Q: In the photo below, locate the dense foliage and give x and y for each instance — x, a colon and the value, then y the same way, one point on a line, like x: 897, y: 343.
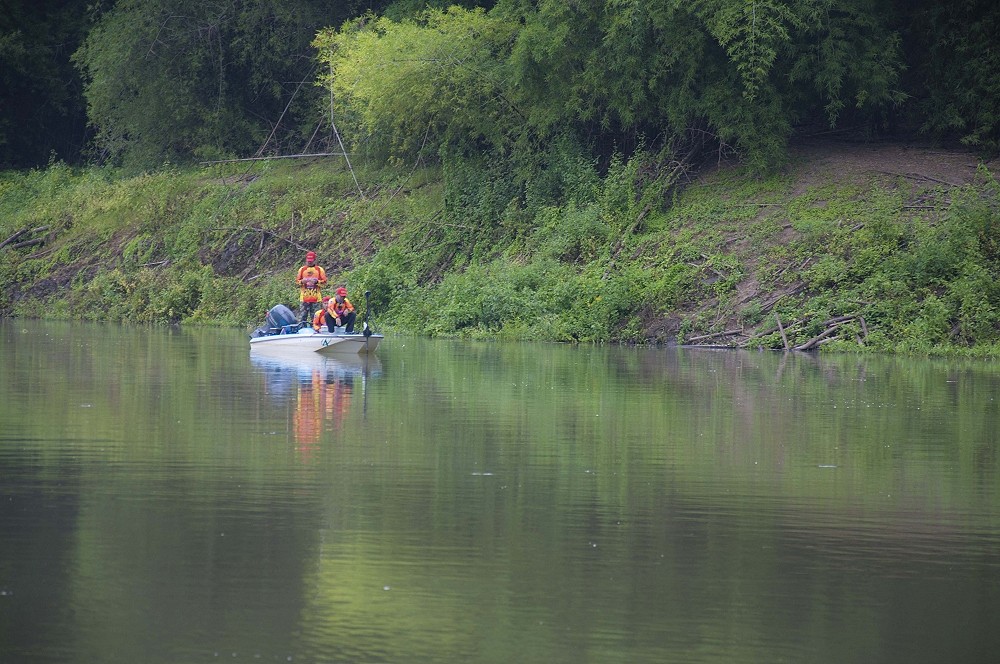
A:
x: 910, y: 266
x: 172, y: 80
x: 182, y: 80
x: 514, y: 156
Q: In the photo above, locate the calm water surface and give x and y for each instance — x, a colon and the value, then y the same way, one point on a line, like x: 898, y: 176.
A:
x: 167, y: 497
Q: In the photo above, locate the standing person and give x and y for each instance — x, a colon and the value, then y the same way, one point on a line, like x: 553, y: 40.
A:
x: 311, y: 279
x: 340, y: 312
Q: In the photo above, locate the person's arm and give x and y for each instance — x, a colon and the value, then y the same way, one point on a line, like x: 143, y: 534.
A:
x: 298, y: 277
x: 348, y: 307
x: 322, y: 276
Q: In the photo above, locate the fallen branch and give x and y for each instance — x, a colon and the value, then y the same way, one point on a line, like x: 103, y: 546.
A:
x: 782, y: 330
x: 798, y: 269
x: 770, y: 305
x: 283, y: 239
x: 726, y: 333
x: 267, y: 232
x: 774, y: 328
x: 706, y: 265
x: 13, y: 237
x: 40, y: 254
x: 927, y: 177
x: 815, y: 340
x: 282, y: 156
x: 28, y: 243
x: 702, y: 266
x: 917, y: 176
x: 838, y: 320
x: 21, y: 232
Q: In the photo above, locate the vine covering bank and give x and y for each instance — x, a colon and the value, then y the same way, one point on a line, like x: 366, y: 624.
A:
x: 891, y: 249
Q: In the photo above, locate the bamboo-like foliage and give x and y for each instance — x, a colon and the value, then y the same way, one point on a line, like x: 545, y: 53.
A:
x: 422, y: 83
x: 745, y: 71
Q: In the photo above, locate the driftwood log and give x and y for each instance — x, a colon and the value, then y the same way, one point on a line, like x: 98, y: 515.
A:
x: 13, y: 237
x: 27, y: 243
x: 831, y: 325
x: 24, y: 243
x: 726, y: 333
x: 782, y: 330
x: 817, y: 339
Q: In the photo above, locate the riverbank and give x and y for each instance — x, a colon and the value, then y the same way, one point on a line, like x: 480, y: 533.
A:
x: 887, y: 247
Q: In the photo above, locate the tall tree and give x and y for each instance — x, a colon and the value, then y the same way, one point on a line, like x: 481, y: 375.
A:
x: 172, y: 80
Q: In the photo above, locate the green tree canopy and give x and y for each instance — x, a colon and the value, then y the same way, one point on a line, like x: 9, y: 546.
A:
x: 437, y: 79
x: 175, y: 79
x: 743, y: 71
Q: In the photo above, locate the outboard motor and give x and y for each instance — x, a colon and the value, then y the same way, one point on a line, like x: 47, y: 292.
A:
x: 282, y: 318
x: 279, y: 320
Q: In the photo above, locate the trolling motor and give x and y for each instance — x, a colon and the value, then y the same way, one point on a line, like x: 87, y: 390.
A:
x: 365, y: 329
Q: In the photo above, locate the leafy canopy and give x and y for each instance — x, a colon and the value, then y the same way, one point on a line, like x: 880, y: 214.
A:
x: 742, y: 71
x: 425, y: 82
x: 168, y: 80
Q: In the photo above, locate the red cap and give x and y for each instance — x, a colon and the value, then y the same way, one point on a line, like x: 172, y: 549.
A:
x: 326, y: 298
x: 311, y: 256
x: 342, y: 291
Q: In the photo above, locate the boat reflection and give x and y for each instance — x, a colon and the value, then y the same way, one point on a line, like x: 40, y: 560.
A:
x: 318, y: 388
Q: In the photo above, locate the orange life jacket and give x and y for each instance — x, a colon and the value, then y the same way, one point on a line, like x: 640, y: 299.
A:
x: 311, y: 272
x: 319, y: 319
x: 338, y: 309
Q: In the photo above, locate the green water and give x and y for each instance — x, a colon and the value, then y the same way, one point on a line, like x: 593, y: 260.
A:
x: 167, y: 497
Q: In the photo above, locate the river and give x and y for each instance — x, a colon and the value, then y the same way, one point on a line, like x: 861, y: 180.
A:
x: 167, y: 497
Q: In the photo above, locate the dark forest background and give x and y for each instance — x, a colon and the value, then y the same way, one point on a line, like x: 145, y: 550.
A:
x: 141, y: 83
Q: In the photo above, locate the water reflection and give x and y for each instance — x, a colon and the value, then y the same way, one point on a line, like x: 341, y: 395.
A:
x: 319, y: 387
x: 499, y: 503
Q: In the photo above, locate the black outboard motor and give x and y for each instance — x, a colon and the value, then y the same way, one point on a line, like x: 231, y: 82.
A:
x: 282, y: 317
x: 279, y: 320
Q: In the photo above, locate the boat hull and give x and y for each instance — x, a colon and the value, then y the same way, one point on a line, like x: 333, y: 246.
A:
x: 318, y: 342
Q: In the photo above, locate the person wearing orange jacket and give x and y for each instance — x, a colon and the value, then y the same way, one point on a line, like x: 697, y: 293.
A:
x: 340, y: 312
x: 311, y: 279
x: 320, y: 318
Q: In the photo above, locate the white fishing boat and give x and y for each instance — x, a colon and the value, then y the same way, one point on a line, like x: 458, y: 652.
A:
x: 282, y: 333
x: 308, y: 340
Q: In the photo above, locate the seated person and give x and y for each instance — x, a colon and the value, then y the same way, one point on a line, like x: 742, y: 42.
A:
x: 340, y: 312
x: 320, y: 318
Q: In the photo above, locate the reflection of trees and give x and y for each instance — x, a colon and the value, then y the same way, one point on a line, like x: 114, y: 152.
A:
x: 512, y: 503
x: 37, y: 558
